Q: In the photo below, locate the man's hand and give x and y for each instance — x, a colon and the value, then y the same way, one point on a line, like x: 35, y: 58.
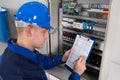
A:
x: 80, y: 65
x: 66, y: 55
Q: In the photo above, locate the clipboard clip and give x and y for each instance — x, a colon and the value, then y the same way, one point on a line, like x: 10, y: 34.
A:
x: 80, y: 34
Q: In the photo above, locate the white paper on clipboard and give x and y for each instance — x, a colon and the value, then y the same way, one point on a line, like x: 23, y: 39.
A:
x: 81, y: 47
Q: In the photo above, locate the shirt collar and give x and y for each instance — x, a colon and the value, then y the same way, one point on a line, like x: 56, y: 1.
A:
x: 31, y: 55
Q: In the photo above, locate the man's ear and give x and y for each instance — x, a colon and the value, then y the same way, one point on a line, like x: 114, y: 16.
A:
x: 28, y: 31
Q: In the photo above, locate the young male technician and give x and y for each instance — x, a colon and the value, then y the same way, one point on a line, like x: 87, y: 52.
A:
x: 21, y: 61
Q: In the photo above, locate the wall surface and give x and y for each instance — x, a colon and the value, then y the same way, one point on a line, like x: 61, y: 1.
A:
x: 110, y: 68
x: 54, y: 23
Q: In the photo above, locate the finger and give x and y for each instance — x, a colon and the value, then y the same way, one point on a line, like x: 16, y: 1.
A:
x: 70, y: 50
x: 83, y: 61
x: 84, y: 64
x: 85, y: 68
x: 80, y: 59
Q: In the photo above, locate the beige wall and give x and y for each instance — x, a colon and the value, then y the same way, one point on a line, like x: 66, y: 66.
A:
x: 110, y: 68
x: 54, y: 23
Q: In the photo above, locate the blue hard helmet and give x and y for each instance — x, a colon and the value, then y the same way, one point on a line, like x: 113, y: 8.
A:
x: 34, y: 13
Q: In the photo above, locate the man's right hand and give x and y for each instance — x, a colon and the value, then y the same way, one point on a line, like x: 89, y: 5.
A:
x: 80, y: 65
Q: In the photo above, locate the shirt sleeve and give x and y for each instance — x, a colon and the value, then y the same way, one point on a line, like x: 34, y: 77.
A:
x: 74, y: 76
x: 47, y: 62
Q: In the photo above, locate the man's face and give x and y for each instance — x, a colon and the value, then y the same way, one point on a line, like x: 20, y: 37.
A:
x: 39, y: 37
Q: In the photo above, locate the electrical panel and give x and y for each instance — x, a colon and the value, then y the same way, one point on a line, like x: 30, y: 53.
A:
x: 89, y: 19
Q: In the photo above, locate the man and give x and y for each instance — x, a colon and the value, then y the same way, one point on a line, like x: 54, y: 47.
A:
x: 21, y: 61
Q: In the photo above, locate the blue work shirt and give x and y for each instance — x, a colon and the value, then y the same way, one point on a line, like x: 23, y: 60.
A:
x: 19, y: 63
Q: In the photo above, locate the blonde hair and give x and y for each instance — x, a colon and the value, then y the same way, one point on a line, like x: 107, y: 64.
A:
x: 20, y: 26
x: 19, y: 30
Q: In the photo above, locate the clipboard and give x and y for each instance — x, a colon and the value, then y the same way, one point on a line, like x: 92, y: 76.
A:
x: 82, y: 47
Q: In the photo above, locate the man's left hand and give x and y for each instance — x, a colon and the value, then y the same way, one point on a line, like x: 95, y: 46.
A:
x: 66, y: 55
